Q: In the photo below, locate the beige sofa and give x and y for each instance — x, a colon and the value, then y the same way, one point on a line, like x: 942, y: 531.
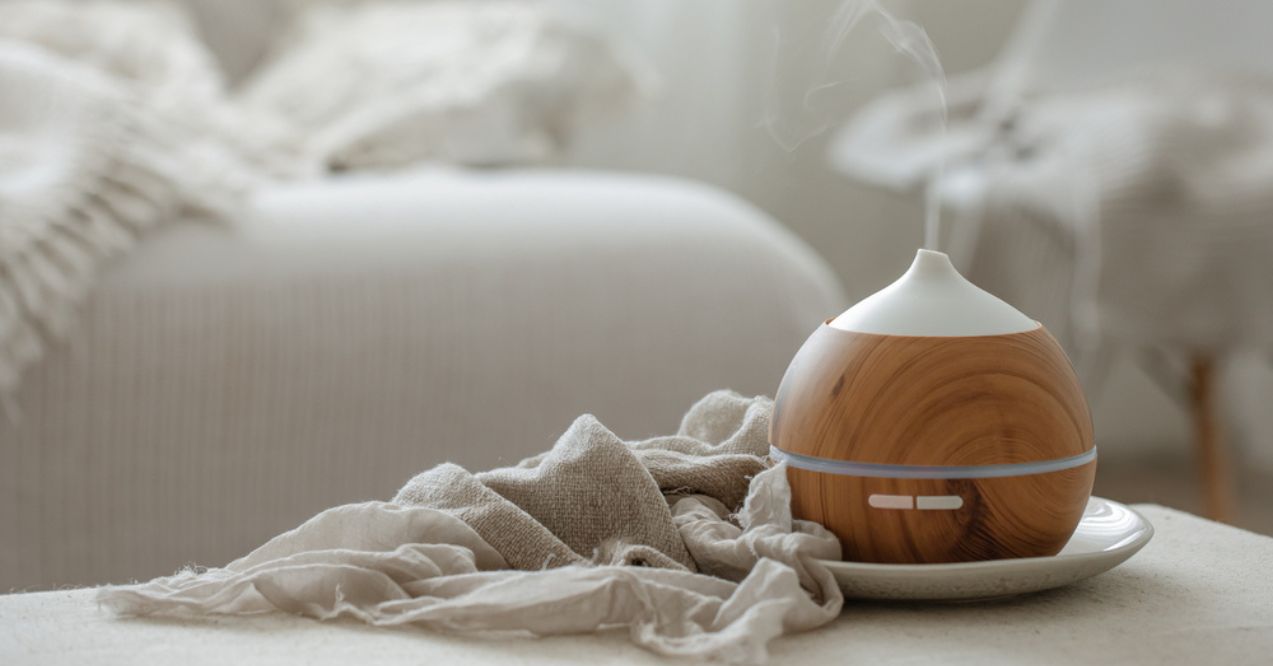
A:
x: 227, y: 382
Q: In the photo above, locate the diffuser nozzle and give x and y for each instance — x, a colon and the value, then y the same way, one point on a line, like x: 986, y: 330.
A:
x: 933, y: 299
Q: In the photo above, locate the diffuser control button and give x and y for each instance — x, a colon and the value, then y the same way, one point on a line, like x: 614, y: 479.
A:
x: 947, y: 502
x: 891, y: 501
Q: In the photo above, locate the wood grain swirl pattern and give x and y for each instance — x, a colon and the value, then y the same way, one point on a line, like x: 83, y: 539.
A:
x: 931, y: 401
x: 937, y: 401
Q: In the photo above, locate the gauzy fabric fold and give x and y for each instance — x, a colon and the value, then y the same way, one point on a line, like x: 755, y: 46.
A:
x: 686, y: 540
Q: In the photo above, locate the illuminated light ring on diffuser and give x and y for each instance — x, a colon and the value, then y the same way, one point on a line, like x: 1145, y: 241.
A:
x: 879, y: 470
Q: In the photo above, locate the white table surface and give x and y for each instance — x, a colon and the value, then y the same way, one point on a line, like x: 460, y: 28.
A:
x: 1199, y: 593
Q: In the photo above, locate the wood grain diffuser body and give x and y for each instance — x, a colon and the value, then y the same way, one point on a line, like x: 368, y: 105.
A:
x: 932, y: 422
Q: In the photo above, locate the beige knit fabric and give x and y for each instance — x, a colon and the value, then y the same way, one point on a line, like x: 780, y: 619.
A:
x: 596, y: 533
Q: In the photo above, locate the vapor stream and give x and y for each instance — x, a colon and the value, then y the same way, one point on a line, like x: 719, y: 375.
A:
x: 796, y: 50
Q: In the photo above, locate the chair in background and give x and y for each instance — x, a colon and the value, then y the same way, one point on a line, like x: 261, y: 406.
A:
x: 1060, y: 48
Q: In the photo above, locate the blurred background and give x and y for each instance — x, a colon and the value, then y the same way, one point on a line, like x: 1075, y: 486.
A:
x: 260, y: 257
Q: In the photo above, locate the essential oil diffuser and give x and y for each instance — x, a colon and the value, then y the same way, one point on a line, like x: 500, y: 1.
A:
x: 932, y: 422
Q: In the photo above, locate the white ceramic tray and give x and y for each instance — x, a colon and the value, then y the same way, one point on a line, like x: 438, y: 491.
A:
x: 1108, y: 534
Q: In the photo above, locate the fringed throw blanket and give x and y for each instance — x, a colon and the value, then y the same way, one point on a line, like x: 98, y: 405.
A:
x: 685, y: 540
x: 84, y: 167
x: 115, y: 118
x: 105, y: 130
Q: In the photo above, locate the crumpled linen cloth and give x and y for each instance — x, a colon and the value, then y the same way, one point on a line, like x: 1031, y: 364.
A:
x: 686, y: 540
x: 1139, y: 210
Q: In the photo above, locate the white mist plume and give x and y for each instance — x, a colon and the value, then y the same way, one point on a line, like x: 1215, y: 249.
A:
x: 805, y: 74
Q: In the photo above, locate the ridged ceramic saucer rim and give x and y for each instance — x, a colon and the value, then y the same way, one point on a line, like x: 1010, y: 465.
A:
x: 967, y: 581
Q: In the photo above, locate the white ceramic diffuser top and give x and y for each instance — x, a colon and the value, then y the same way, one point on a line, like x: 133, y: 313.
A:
x: 933, y: 299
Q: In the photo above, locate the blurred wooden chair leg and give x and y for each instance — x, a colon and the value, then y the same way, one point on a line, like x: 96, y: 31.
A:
x: 1214, y: 467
